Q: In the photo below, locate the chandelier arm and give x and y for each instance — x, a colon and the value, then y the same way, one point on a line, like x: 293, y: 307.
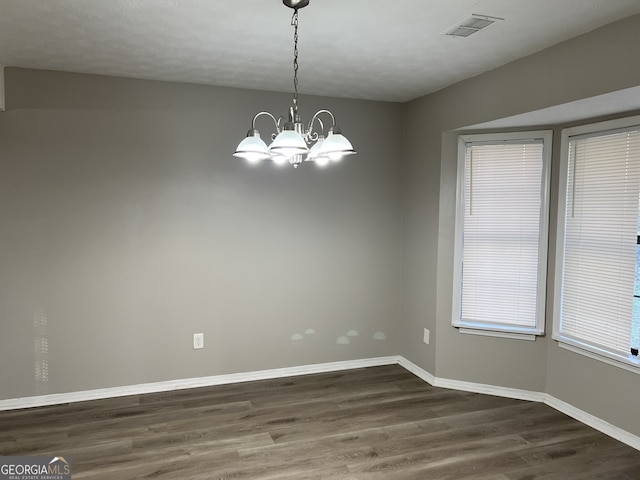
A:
x: 259, y: 114
x: 310, y: 134
x: 315, y: 117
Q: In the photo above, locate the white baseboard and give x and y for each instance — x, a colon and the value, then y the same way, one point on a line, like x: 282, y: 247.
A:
x: 471, y: 387
x: 594, y: 422
x: 417, y: 371
x: 516, y: 393
x: 533, y: 396
x: 71, y: 397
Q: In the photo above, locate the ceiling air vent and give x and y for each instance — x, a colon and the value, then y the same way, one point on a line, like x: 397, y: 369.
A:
x: 471, y: 25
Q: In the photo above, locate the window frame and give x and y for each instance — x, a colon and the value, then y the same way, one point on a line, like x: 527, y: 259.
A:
x: 628, y: 362
x: 498, y: 329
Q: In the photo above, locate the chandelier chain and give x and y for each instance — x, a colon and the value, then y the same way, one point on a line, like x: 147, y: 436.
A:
x: 294, y: 22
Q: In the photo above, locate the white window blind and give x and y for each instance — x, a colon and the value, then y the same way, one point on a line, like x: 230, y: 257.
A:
x: 503, y: 236
x: 600, y: 239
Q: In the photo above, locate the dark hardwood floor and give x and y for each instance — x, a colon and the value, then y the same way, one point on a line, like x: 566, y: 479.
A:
x: 372, y: 423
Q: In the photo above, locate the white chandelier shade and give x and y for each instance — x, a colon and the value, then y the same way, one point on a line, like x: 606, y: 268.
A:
x: 314, y: 151
x: 253, y: 148
x: 295, y: 142
x: 335, y: 146
x: 288, y: 143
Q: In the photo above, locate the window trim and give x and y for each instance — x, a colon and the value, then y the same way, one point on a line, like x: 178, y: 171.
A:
x: 628, y: 362
x: 496, y: 329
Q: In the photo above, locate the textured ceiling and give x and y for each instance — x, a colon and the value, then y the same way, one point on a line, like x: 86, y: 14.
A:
x: 371, y: 49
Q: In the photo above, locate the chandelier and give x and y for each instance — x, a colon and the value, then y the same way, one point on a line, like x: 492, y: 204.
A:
x: 293, y: 141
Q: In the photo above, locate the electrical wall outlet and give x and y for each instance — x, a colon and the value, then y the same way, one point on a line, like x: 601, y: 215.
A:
x: 426, y: 336
x: 198, y: 341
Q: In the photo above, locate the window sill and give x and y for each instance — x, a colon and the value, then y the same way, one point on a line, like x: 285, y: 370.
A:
x: 500, y: 334
x: 630, y: 363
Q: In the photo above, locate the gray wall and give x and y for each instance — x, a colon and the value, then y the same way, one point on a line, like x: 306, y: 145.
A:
x: 126, y: 226
x: 593, y: 64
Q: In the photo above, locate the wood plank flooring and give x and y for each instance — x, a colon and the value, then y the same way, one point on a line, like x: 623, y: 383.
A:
x: 371, y: 423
